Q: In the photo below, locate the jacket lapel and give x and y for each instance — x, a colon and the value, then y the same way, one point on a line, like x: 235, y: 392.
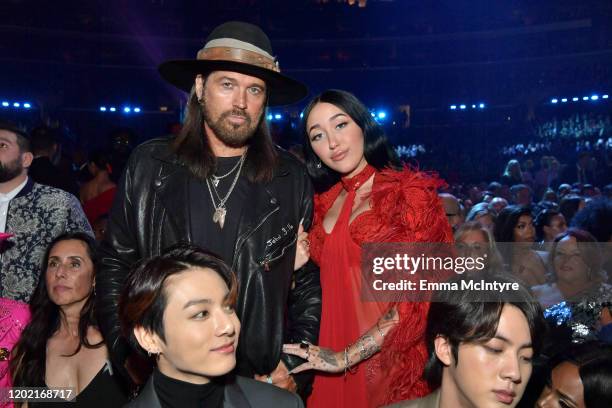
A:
x: 172, y: 187
x: 234, y: 397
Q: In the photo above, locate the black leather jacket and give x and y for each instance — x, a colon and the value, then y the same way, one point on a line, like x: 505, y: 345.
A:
x: 275, y: 305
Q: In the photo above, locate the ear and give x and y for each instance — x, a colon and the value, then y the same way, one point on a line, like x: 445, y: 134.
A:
x: 199, y: 87
x: 147, y: 340
x: 443, y: 351
x: 27, y: 158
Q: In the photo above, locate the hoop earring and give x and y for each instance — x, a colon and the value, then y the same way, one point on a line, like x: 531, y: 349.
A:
x: 319, y: 164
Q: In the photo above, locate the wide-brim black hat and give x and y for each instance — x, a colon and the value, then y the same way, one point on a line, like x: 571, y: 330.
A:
x: 239, y: 47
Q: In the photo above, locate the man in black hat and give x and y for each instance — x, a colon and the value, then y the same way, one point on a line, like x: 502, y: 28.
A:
x: 223, y: 185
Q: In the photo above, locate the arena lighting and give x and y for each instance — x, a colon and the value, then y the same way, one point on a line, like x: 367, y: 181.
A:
x: 473, y: 106
x: 453, y: 107
x: 594, y: 97
x: 127, y: 109
x: 112, y: 109
x: 301, y: 115
x: 5, y: 104
x: 27, y: 105
x: 102, y: 108
x: 564, y: 100
x: 575, y: 99
x: 278, y: 116
x: 269, y: 117
x: 16, y: 104
x: 137, y: 110
x: 605, y: 97
x: 461, y: 106
x: 481, y: 106
x: 382, y: 115
x: 554, y: 100
x: 373, y: 115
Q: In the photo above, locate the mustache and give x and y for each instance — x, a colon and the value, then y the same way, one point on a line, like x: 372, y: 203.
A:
x: 236, y: 112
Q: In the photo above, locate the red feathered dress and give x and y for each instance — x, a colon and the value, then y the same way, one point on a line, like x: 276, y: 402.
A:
x: 405, y: 208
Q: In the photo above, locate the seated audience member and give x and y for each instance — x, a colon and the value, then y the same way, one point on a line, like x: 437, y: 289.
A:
x: 481, y: 213
x: 32, y: 213
x: 62, y: 347
x: 580, y: 378
x: 497, y: 204
x: 570, y: 205
x: 563, y: 190
x: 453, y: 210
x: 178, y: 308
x: 520, y: 194
x: 474, y: 240
x: 596, y: 218
x: 480, y: 352
x: 512, y: 173
x: 577, y: 297
x: 549, y: 224
x: 515, y: 235
x: 98, y: 193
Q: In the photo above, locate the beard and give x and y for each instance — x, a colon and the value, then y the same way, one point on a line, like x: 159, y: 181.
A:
x: 11, y: 170
x: 230, y: 134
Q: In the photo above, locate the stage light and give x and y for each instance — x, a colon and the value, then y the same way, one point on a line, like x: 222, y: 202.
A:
x: 301, y: 115
x: 382, y: 115
x: 269, y: 117
x: 16, y: 104
x: 594, y: 97
x: 554, y: 100
x: 564, y: 100
x: 5, y: 104
x: 453, y: 107
x: 127, y: 109
x: 461, y: 106
x: 473, y: 106
x: 585, y: 98
x: 137, y: 110
x: 481, y: 106
x: 373, y: 115
x: 102, y: 108
x: 27, y: 105
x: 605, y: 97
x: 112, y: 109
x: 278, y: 116
x: 575, y: 99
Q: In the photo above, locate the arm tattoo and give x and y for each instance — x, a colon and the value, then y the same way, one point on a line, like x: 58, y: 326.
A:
x: 328, y: 357
x: 369, y: 347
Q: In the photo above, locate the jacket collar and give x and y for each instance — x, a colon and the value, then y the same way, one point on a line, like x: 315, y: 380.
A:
x: 27, y: 188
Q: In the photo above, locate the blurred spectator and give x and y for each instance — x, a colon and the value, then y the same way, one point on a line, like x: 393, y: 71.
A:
x: 97, y: 194
x: 512, y: 173
x: 570, y: 205
x: 45, y: 148
x: 483, y: 214
x: 497, y: 204
x: 453, y: 210
x: 520, y: 194
x: 474, y: 240
x: 582, y: 172
x: 596, y: 218
x: 549, y: 223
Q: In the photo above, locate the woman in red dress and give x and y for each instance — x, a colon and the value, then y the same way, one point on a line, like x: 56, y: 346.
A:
x: 371, y: 199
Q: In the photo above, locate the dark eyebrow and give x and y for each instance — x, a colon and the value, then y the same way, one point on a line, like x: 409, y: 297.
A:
x: 196, y: 302
x: 330, y: 119
x: 506, y: 340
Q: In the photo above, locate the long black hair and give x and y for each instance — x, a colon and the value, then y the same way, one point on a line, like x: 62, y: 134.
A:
x: 377, y: 150
x: 193, y: 149
x: 28, y: 362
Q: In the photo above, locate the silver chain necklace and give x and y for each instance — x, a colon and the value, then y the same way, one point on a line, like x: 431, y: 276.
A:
x: 220, y: 209
x: 217, y: 179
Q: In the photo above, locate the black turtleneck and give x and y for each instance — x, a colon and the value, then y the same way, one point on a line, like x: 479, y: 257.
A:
x: 173, y: 393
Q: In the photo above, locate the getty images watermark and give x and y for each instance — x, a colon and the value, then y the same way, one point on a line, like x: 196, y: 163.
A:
x: 414, y: 272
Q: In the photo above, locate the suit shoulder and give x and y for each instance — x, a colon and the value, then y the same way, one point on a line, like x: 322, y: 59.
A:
x: 156, y: 145
x: 262, y: 394
x: 52, y: 192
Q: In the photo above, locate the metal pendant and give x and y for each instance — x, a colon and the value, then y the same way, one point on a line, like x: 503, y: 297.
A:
x: 216, y: 181
x: 219, y: 216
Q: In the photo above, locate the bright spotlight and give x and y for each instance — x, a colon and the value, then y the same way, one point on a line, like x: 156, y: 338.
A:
x: 575, y: 99
x: 481, y: 106
x: 5, y: 104
x: 278, y: 116
x: 373, y: 115
x: 605, y: 97
x: 127, y: 109
x: 137, y: 110
x: 453, y: 107
x: 585, y: 98
x: 16, y: 104
x: 112, y: 109
x: 102, y: 108
x: 270, y: 117
x: 461, y: 106
x: 564, y: 100
x: 27, y: 105
x: 382, y: 115
x: 554, y: 100
x: 594, y: 97
x: 301, y: 115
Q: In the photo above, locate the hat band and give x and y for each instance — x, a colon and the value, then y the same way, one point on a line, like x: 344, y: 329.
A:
x: 238, y: 55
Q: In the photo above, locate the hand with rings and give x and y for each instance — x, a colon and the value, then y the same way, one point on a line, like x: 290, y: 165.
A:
x: 317, y: 358
x: 302, y: 249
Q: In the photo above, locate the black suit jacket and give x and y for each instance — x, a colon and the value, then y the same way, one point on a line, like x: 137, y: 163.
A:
x: 240, y: 392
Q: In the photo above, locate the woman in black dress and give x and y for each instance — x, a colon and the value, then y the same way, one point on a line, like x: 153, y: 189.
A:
x: 61, y: 347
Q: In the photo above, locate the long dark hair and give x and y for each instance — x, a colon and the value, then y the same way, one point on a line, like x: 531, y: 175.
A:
x: 193, y: 150
x: 28, y: 362
x: 377, y: 150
